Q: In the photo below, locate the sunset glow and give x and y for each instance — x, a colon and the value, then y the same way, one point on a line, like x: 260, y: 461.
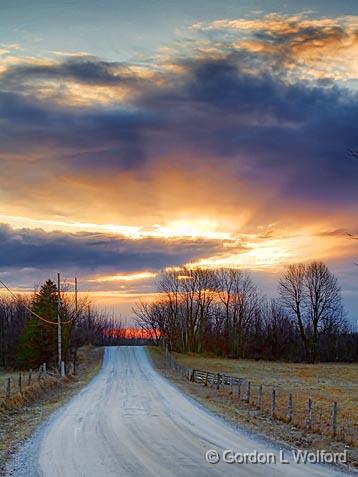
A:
x: 126, y: 278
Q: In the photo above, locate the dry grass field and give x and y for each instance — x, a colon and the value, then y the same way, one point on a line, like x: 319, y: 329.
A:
x: 324, y: 383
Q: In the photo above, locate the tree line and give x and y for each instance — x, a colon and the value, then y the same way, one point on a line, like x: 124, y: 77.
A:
x: 223, y: 312
x: 28, y: 341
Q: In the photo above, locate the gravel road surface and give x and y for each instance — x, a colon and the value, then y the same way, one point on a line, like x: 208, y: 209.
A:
x: 130, y: 421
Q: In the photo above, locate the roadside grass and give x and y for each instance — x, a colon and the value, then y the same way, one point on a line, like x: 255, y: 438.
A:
x: 4, y: 375
x: 323, y: 383
x: 21, y: 415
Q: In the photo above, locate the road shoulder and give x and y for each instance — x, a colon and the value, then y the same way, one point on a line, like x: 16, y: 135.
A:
x: 17, y: 425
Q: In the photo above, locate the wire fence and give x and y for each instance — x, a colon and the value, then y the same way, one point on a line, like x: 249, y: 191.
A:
x: 278, y: 404
x: 22, y: 385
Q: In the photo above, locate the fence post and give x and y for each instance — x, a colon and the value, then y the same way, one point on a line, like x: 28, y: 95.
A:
x: 20, y: 383
x: 273, y: 403
x: 259, y: 397
x: 206, y: 379
x: 8, y: 388
x: 218, y: 382
x: 289, y: 408
x: 63, y: 373
x: 239, y: 389
x: 334, y: 418
x: 319, y: 420
x: 309, y: 414
x: 30, y: 377
x: 231, y: 384
x: 248, y: 393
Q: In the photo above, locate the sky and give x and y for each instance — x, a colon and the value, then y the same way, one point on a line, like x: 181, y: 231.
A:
x: 141, y: 135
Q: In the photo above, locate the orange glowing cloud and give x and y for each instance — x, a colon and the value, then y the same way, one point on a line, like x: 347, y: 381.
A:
x: 127, y: 277
x: 308, y: 47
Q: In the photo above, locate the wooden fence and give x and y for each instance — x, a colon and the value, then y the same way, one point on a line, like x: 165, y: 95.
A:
x: 263, y: 398
x: 24, y: 381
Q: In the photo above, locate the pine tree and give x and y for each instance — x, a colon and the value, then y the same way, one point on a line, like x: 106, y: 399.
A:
x: 38, y: 342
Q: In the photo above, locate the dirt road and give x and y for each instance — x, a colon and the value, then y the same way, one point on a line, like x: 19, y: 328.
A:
x: 130, y: 421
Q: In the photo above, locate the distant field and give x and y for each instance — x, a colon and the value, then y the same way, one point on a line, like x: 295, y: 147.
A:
x: 323, y: 383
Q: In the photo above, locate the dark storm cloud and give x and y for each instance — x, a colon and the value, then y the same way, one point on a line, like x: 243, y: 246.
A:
x: 97, y: 137
x: 264, y: 130
x: 87, y: 70
x: 268, y: 130
x: 87, y: 252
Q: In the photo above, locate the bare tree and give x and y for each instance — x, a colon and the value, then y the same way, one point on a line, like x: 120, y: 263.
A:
x: 150, y: 319
x: 245, y: 311
x: 239, y: 298
x: 292, y: 294
x: 312, y: 295
x: 324, y: 302
x: 14, y: 315
x: 226, y: 278
x: 222, y: 311
x: 197, y: 290
x: 206, y: 294
x: 169, y: 289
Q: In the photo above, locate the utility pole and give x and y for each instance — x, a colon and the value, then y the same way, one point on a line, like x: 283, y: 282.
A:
x: 59, y: 334
x: 75, y: 324
x: 76, y: 299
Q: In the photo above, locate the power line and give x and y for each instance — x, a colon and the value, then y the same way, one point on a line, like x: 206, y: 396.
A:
x: 31, y: 311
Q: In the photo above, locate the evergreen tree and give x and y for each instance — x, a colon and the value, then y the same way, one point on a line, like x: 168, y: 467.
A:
x: 38, y: 342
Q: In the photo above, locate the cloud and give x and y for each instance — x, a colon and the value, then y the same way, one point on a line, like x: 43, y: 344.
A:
x: 76, y: 79
x: 89, y: 252
x: 260, y: 130
x: 292, y: 45
x: 80, y: 68
x: 244, y: 126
